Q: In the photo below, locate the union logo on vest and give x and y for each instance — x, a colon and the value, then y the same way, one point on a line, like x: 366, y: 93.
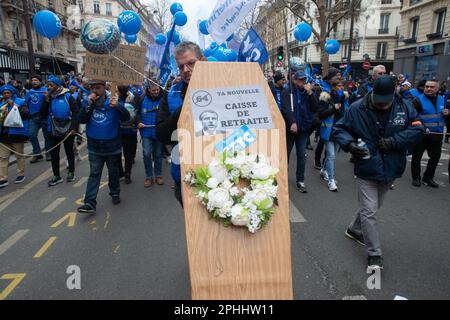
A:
x: 99, y: 116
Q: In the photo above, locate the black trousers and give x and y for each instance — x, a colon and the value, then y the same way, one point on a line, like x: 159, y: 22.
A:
x: 68, y: 148
x: 129, y: 146
x: 433, y: 146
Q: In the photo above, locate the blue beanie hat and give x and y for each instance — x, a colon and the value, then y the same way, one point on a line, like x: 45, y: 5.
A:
x: 55, y: 80
x: 8, y: 87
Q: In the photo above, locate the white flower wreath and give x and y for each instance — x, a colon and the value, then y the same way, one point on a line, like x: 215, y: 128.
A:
x: 217, y: 188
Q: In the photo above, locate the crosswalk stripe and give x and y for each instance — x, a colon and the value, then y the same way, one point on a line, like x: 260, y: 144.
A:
x: 52, y: 206
x: 12, y: 240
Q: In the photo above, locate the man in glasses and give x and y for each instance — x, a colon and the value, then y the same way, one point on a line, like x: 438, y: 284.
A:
x: 186, y: 55
x: 367, y: 86
x: 388, y: 126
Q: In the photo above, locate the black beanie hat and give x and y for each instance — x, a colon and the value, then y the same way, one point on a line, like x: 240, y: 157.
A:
x: 332, y: 71
x: 36, y: 77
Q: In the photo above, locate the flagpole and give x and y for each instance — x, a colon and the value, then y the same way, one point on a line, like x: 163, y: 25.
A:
x: 289, y: 59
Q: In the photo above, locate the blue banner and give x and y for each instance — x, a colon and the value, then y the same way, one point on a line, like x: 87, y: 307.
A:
x: 164, y: 67
x: 252, y: 48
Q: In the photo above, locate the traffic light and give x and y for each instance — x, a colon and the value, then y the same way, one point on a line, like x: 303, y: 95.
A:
x: 280, y: 54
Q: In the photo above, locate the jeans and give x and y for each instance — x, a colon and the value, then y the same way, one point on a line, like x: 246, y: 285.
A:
x: 152, y: 150
x: 96, y: 165
x: 433, y: 146
x: 331, y: 148
x: 68, y: 148
x: 35, y: 124
x: 129, y: 145
x: 300, y: 140
x: 371, y: 195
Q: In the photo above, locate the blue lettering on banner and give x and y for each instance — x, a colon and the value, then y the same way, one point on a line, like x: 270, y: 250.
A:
x: 238, y: 140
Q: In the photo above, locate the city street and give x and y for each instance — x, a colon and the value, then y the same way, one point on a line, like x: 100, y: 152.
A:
x: 137, y: 250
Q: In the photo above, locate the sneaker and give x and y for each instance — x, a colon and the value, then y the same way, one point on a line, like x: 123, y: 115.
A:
x: 127, y: 178
x: 416, y: 183
x: 4, y: 183
x: 86, y: 208
x: 159, y: 181
x: 36, y: 159
x: 375, y: 262
x: 350, y: 234
x: 317, y: 164
x: 20, y: 179
x: 324, y: 175
x: 71, y: 177
x: 301, y: 187
x: 392, y: 187
x: 148, y: 183
x: 115, y: 200
x: 54, y: 181
x: 430, y: 182
x: 332, y: 186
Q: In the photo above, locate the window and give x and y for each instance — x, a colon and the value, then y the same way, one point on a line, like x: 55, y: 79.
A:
x: 346, y: 50
x: 96, y: 7
x: 16, y: 33
x: 384, y: 23
x: 81, y: 5
x: 108, y: 9
x: 414, y: 27
x: 413, y: 2
x: 328, y: 4
x: 386, y: 1
x: 440, y: 20
x: 381, y: 50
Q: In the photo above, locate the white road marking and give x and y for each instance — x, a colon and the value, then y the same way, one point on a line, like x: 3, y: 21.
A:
x: 295, y: 215
x: 354, y: 298
x: 80, y: 182
x: 12, y: 240
x: 52, y: 206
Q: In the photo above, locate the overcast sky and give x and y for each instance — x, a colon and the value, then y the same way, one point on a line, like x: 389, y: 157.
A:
x: 194, y: 9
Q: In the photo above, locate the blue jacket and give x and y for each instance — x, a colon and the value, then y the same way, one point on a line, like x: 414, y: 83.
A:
x: 103, y: 127
x: 277, y: 94
x: 305, y: 106
x: 147, y: 109
x: 362, y: 121
x: 35, y: 98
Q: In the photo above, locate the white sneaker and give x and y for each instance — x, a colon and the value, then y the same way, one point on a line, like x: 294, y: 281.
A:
x: 324, y: 175
x: 332, y: 185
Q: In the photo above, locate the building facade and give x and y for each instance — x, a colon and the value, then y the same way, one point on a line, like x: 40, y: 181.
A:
x: 110, y: 9
x: 375, y: 34
x: 56, y: 56
x: 423, y: 51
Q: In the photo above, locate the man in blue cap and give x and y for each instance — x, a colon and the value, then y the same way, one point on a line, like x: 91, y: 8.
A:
x: 389, y: 127
x: 13, y: 138
x: 299, y: 119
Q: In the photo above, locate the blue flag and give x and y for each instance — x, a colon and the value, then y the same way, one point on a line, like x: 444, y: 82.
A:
x: 164, y: 67
x: 252, y: 48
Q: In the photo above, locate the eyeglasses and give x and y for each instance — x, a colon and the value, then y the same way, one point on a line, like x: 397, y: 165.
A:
x: 190, y: 65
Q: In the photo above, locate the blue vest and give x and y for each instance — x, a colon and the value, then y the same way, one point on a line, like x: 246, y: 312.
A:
x: 60, y: 109
x: 104, y: 123
x: 414, y: 92
x: 278, y: 97
x: 35, y: 99
x: 75, y: 95
x: 148, y: 111
x: 175, y: 101
x: 24, y: 131
x: 431, y: 116
x: 369, y: 87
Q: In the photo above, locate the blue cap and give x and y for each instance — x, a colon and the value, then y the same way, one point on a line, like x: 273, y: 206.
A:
x: 55, y: 80
x: 8, y: 87
x: 300, y: 75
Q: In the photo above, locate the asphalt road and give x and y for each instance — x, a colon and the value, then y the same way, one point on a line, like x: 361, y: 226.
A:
x: 137, y: 250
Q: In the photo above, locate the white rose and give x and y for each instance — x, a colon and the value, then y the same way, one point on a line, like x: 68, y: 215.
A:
x: 217, y: 170
x: 261, y: 171
x: 261, y: 195
x: 212, y: 183
x: 239, y: 215
x: 218, y: 198
x: 225, y: 211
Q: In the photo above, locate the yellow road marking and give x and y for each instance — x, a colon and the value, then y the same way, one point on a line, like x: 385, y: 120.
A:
x: 16, y: 277
x: 103, y: 184
x: 93, y: 222
x: 52, y: 206
x: 70, y: 216
x: 117, y: 249
x: 80, y: 201
x: 44, y: 247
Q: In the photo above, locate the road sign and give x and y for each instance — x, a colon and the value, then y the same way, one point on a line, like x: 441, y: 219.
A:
x: 366, y: 65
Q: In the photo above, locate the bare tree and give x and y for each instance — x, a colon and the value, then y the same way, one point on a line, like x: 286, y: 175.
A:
x: 161, y: 13
x: 327, y: 18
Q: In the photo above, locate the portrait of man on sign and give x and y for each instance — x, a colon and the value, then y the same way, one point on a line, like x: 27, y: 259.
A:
x: 209, y: 120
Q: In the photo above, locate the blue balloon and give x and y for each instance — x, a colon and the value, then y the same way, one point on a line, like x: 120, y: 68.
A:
x: 224, y: 45
x: 230, y: 55
x: 207, y: 52
x: 129, y: 22
x: 213, y: 45
x: 230, y: 37
x: 220, y: 55
x: 177, y: 41
x: 160, y: 39
x: 302, y: 32
x: 175, y: 7
x: 176, y: 37
x: 180, y: 18
x: 202, y: 27
x: 47, y: 24
x: 131, y: 38
x: 212, y: 59
x: 100, y: 36
x: 332, y: 46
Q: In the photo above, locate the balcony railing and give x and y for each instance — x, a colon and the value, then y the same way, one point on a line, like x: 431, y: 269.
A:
x: 383, y: 31
x: 410, y: 40
x: 434, y: 35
